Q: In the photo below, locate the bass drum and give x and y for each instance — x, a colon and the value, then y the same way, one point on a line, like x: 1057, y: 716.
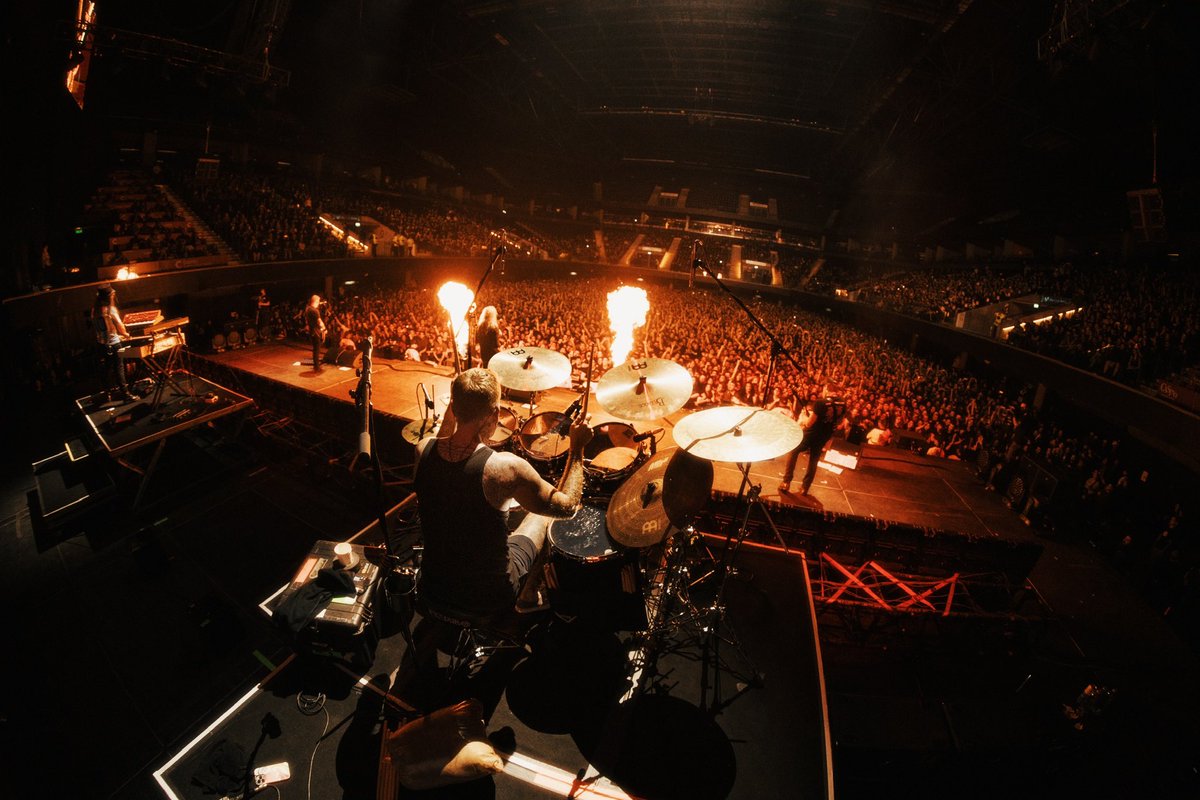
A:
x: 610, y: 457
x: 592, y: 578
x: 544, y: 441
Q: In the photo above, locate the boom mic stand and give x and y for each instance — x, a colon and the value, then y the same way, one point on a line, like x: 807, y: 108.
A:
x: 478, y: 288
x: 392, y: 564
x: 711, y: 619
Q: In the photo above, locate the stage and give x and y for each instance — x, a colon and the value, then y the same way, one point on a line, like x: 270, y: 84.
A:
x: 885, y: 485
x: 563, y: 715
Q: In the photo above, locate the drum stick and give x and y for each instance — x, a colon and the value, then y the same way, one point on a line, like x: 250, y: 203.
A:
x: 587, y: 385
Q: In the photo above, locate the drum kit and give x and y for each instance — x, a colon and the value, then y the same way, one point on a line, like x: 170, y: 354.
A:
x: 632, y: 537
x: 633, y: 534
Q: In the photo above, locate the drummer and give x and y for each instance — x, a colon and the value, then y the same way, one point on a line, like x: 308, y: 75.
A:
x: 471, y: 564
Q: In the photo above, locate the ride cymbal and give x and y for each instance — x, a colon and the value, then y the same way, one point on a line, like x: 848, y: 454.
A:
x: 738, y: 434
x: 643, y: 389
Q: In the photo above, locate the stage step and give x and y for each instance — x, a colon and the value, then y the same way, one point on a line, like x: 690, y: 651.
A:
x: 65, y: 486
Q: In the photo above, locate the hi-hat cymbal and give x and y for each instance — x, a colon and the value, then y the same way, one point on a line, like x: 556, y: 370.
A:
x: 530, y: 369
x: 670, y: 488
x: 417, y: 430
x: 647, y: 388
x: 739, y: 434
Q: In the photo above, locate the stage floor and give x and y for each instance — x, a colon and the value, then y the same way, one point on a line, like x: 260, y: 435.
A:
x: 887, y: 484
x: 564, y: 717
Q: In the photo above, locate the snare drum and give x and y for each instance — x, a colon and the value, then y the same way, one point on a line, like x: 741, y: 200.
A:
x: 610, y: 457
x: 592, y: 577
x: 505, y: 428
x: 544, y: 441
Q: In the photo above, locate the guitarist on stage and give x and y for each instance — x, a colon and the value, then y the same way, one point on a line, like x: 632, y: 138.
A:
x: 110, y: 332
x: 471, y: 564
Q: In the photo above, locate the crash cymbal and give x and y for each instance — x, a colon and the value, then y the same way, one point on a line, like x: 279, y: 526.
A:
x: 739, y: 434
x: 417, y: 430
x: 530, y: 369
x: 668, y: 489
x: 647, y: 388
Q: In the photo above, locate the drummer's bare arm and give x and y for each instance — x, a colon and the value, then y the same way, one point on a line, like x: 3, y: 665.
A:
x: 509, y: 476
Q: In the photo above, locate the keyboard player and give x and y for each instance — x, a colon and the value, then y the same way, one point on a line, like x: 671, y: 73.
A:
x: 110, y: 331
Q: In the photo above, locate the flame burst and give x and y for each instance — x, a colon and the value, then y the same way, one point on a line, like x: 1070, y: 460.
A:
x: 627, y: 308
x: 457, y: 299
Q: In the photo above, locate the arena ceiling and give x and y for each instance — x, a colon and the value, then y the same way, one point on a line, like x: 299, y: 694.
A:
x: 902, y: 112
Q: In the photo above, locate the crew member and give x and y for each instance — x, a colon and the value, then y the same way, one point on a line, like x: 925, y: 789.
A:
x: 817, y: 421
x: 110, y: 331
x: 487, y: 335
x: 471, y: 563
x: 316, y: 329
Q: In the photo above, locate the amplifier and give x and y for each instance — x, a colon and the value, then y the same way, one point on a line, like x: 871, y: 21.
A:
x: 346, y: 626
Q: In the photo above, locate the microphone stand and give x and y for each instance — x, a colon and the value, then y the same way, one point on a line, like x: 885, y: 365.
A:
x: 777, y: 347
x: 478, y: 288
x: 367, y: 447
x: 711, y: 620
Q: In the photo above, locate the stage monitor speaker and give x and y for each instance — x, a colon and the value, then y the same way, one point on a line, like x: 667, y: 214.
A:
x: 349, y: 358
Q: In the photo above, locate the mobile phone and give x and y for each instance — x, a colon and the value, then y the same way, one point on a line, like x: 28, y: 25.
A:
x: 271, y: 773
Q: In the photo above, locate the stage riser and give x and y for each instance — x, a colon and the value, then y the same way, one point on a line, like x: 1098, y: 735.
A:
x: 854, y: 540
x: 332, y: 416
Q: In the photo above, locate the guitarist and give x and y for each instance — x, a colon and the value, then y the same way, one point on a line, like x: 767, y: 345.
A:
x: 471, y: 564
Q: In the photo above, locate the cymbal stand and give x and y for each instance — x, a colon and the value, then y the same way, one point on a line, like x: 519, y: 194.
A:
x: 706, y: 628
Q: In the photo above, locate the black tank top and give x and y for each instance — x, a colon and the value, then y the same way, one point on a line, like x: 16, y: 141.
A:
x: 465, y: 563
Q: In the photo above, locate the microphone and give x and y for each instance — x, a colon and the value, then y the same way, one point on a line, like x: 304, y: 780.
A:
x: 428, y: 399
x: 569, y: 416
x: 641, y: 437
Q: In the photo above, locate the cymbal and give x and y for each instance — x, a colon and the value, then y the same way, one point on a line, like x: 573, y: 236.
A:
x: 530, y: 369
x: 647, y: 388
x: 417, y: 430
x: 668, y: 489
x: 739, y: 434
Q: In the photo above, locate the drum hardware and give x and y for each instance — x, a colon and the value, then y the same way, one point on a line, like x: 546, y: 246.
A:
x: 741, y: 435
